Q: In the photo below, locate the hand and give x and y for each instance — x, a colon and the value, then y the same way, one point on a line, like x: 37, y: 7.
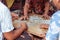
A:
x: 23, y: 25
x: 45, y: 16
x: 14, y: 16
x: 44, y: 26
x: 24, y: 18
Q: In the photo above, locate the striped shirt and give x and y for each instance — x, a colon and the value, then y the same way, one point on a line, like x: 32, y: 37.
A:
x: 5, y: 20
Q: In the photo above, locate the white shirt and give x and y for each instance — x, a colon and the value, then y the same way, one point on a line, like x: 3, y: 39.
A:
x: 5, y: 20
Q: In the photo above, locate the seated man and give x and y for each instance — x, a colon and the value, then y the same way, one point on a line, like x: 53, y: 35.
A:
x: 14, y: 15
x: 44, y: 8
x: 6, y: 28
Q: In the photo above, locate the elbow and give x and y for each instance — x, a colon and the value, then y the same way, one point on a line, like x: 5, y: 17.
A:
x: 8, y: 36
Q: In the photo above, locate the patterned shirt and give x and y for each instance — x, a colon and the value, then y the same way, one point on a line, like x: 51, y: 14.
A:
x: 5, y: 20
x: 54, y: 28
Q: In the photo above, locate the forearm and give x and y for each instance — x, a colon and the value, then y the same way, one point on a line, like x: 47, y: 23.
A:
x: 26, y: 8
x: 47, y: 6
x: 18, y: 32
x: 13, y: 34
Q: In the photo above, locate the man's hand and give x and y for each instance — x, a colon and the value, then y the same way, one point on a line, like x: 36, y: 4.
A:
x: 44, y: 26
x: 24, y: 18
x: 23, y: 25
x: 14, y: 16
x: 15, y: 33
x: 45, y: 16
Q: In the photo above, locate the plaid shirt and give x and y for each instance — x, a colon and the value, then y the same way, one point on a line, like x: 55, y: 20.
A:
x: 54, y: 28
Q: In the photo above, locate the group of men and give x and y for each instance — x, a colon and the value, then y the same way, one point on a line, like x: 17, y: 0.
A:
x: 38, y: 6
x: 7, y: 30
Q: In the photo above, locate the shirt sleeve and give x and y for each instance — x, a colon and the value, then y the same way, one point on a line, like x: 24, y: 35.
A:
x: 6, y: 24
x: 54, y: 28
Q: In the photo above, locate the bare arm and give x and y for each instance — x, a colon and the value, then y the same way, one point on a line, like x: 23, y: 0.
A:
x: 16, y: 33
x: 46, y: 8
x: 26, y: 7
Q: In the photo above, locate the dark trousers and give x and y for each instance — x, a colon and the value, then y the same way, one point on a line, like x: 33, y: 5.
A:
x: 25, y: 34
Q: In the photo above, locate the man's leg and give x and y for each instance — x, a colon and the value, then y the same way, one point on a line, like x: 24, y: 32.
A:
x: 24, y: 36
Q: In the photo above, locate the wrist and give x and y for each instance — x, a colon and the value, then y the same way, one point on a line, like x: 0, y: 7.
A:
x: 23, y: 28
